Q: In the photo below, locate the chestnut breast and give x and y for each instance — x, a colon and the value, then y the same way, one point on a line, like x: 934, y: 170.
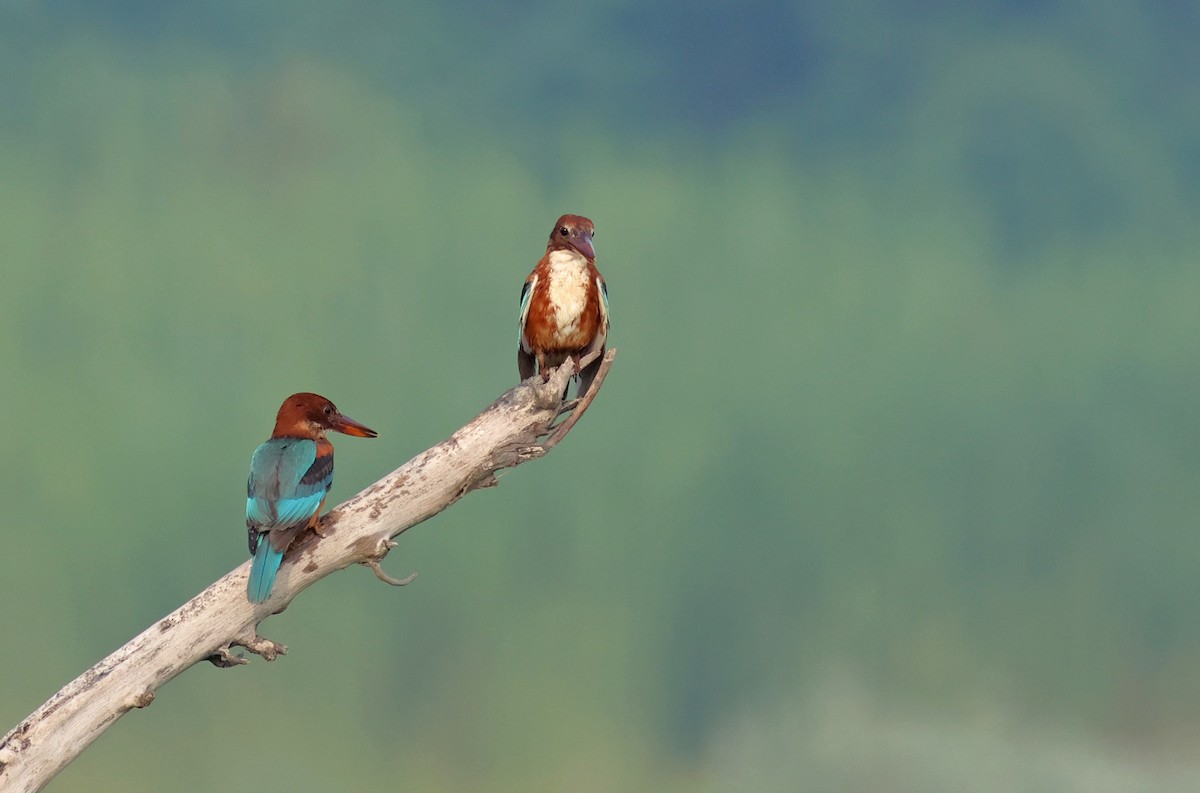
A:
x: 565, y: 312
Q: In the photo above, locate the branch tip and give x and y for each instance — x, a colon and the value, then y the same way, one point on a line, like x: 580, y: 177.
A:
x: 377, y: 568
x: 560, y: 430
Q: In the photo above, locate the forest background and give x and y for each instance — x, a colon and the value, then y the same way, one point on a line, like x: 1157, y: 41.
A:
x: 893, y: 486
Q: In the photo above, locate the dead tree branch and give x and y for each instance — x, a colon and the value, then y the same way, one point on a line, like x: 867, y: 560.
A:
x: 521, y: 425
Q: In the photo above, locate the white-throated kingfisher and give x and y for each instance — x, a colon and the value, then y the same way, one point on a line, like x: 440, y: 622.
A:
x: 290, y: 475
x: 564, y: 305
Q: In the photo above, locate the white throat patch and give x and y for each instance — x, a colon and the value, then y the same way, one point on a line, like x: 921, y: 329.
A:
x: 568, y: 285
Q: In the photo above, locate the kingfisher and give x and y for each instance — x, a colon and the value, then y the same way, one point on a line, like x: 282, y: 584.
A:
x: 290, y: 476
x: 564, y: 305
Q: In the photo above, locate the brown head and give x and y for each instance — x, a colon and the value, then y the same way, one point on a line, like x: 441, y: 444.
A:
x: 307, y: 415
x: 573, y: 232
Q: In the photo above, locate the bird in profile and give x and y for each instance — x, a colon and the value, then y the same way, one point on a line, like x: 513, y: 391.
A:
x: 564, y: 305
x: 290, y: 475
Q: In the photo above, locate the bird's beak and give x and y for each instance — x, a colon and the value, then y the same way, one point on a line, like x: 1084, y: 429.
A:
x: 583, y: 244
x: 349, y: 426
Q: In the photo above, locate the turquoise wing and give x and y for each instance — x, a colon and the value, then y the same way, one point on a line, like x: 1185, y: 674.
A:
x: 603, y: 301
x: 287, y: 483
x: 526, y: 299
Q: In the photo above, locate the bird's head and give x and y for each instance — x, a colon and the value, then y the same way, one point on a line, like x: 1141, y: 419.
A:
x: 310, y: 415
x: 573, y: 232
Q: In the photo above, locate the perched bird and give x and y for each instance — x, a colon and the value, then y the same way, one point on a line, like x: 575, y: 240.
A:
x: 564, y: 304
x: 290, y: 475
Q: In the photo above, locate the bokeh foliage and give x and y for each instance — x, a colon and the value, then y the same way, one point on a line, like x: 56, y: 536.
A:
x: 897, y: 465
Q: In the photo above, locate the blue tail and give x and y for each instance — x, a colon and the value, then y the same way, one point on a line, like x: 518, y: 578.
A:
x: 263, y: 570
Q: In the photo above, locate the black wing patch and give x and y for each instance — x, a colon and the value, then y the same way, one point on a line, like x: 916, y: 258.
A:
x: 319, y: 471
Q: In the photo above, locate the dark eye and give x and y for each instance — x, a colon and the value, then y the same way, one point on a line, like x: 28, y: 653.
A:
x: 329, y: 410
x: 564, y: 231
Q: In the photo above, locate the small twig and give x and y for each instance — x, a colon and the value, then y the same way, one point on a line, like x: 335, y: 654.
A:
x: 584, y: 400
x: 260, y: 646
x: 225, y: 659
x: 387, y: 579
x: 567, y: 406
x: 382, y: 547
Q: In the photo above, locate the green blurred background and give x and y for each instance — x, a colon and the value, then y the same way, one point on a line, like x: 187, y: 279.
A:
x: 893, y: 486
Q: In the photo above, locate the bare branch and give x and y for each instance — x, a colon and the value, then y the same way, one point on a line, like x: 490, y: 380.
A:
x: 584, y: 401
x: 517, y: 427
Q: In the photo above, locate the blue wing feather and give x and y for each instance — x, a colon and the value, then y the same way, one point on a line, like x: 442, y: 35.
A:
x: 604, y: 299
x: 526, y: 299
x: 278, y: 492
x: 262, y: 572
x: 286, y: 486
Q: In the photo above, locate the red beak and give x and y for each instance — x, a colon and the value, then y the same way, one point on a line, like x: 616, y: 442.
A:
x: 349, y: 426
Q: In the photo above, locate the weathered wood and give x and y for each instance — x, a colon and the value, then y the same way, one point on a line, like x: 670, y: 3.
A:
x: 523, y: 424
